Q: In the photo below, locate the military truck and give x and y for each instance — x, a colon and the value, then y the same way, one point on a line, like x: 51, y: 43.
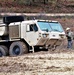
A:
x: 19, y: 36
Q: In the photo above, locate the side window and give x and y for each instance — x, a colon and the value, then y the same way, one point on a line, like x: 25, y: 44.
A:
x: 33, y: 27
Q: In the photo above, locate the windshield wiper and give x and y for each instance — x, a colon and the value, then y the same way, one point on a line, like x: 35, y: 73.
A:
x: 56, y: 30
x: 45, y: 29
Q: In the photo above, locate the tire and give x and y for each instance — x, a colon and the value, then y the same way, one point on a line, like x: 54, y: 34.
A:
x: 6, y: 49
x: 18, y: 48
x: 2, y: 51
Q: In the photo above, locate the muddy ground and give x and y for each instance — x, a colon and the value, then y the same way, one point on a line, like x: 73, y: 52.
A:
x: 57, y: 62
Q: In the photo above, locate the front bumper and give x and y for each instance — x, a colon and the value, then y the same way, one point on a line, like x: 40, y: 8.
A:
x: 46, y: 42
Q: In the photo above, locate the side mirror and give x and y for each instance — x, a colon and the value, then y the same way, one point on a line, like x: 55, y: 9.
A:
x: 28, y: 28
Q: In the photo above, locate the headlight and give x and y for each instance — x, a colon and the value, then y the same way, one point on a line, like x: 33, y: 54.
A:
x: 45, y: 35
x: 62, y: 35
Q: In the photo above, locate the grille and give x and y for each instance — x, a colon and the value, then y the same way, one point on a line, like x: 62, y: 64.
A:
x: 14, y: 31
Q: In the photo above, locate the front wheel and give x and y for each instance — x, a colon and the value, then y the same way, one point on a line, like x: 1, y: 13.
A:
x: 18, y: 48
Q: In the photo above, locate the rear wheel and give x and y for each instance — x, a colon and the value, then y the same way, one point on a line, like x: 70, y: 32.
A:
x: 3, y: 51
x: 6, y: 49
x: 18, y: 48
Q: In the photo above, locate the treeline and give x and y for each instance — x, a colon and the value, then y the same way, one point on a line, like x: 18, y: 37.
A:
x: 30, y: 2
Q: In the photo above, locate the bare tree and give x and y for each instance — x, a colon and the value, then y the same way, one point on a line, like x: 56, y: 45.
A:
x: 45, y: 1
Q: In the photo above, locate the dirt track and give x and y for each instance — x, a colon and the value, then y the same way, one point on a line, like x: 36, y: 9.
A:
x: 39, y: 63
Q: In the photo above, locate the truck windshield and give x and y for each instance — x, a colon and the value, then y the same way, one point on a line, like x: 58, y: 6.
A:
x: 50, y: 26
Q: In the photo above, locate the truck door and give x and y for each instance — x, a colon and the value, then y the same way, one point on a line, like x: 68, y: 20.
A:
x: 32, y: 34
